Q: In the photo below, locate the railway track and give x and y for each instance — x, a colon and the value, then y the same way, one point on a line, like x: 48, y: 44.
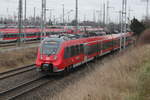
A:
x: 23, y: 88
x: 14, y: 44
x: 16, y: 71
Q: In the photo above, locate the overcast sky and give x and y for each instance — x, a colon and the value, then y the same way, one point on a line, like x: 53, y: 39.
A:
x: 86, y: 8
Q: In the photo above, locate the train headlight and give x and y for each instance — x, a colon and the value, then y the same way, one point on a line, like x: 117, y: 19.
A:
x: 41, y: 57
x: 55, y: 57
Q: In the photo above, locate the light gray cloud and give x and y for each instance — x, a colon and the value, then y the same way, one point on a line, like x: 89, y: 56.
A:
x: 86, y: 7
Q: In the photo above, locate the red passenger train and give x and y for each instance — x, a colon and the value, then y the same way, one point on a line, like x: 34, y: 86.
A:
x: 11, y: 34
x: 62, y: 53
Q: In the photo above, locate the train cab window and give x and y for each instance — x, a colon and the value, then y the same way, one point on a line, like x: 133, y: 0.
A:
x: 50, y: 47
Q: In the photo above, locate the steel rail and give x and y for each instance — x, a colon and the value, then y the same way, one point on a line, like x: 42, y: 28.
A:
x: 14, y: 44
x: 16, y: 71
x: 23, y: 88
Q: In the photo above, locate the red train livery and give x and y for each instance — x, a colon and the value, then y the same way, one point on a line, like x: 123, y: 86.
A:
x: 12, y: 34
x: 59, y: 54
x: 34, y: 33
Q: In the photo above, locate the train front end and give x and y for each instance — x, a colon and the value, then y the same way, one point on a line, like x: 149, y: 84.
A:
x: 48, y: 59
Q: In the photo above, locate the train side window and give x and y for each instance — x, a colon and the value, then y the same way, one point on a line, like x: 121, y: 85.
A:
x: 28, y: 34
x: 86, y: 49
x: 0, y: 35
x: 91, y: 49
x: 14, y: 35
x: 94, y: 48
x: 78, y: 49
x: 81, y: 48
x: 117, y: 42
x: 99, y: 46
x: 72, y: 51
x: 105, y: 46
x: 67, y: 52
x: 33, y: 34
x: 4, y: 36
x: 110, y: 44
x: 8, y: 35
x: 114, y: 42
x: 38, y: 34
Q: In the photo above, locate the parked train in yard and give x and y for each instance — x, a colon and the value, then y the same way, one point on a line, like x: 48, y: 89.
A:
x: 61, y: 54
x: 12, y: 34
x: 34, y: 33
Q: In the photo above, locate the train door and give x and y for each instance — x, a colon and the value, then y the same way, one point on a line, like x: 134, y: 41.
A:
x: 85, y: 52
x: 1, y: 36
x: 99, y: 46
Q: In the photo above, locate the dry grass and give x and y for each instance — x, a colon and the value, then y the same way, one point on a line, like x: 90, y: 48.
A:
x: 17, y: 58
x: 116, y: 80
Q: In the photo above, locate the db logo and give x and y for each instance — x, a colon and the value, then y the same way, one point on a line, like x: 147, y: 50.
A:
x: 47, y: 58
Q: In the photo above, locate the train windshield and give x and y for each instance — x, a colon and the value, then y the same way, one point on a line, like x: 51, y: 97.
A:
x: 50, y: 47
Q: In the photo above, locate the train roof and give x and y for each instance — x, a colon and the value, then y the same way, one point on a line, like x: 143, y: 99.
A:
x: 53, y: 39
x: 6, y: 31
x: 76, y: 39
x: 28, y: 30
x: 73, y: 37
